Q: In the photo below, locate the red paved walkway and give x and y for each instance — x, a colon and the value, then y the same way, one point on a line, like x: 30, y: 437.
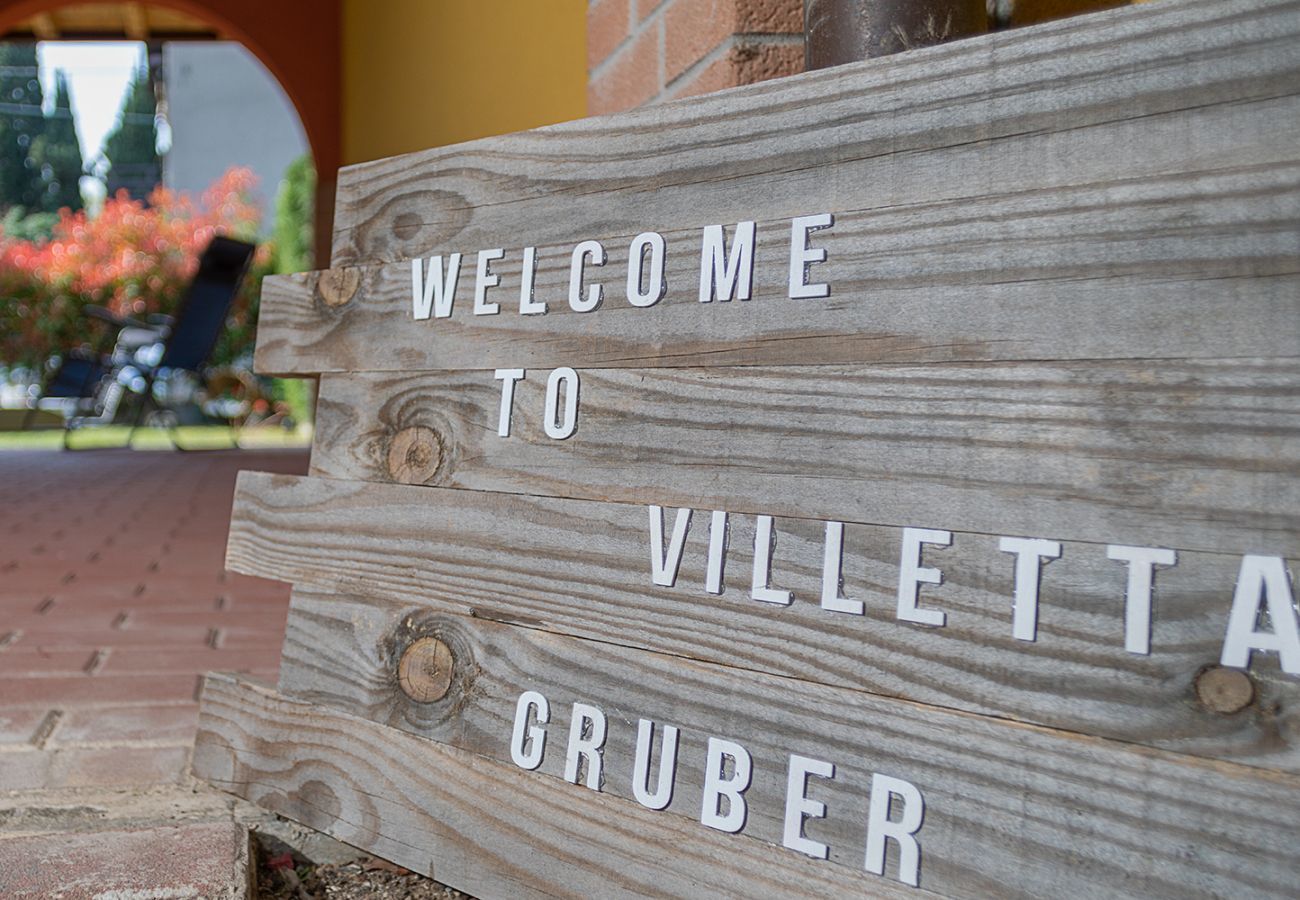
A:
x: 113, y: 598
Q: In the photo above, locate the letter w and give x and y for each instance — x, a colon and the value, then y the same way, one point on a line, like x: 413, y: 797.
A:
x: 436, y: 292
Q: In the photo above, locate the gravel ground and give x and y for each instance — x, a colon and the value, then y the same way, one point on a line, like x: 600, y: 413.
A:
x: 279, y: 879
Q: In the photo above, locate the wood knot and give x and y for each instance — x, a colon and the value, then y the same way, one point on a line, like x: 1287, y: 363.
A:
x: 424, y: 671
x: 336, y: 287
x: 414, y: 455
x: 1223, y: 690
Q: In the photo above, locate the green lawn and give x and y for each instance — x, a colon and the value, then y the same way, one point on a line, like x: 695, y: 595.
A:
x: 199, y: 437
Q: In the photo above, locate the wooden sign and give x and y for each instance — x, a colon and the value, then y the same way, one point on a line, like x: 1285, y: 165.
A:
x: 879, y: 481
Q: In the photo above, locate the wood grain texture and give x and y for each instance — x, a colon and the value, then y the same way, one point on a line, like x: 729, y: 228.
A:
x: 1164, y: 267
x: 488, y: 829
x: 1118, y: 186
x: 1197, y: 455
x: 1068, y: 103
x: 1010, y: 811
x: 582, y: 568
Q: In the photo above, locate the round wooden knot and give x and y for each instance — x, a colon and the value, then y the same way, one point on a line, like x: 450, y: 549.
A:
x: 1224, y: 690
x: 424, y: 671
x: 337, y: 286
x: 414, y: 455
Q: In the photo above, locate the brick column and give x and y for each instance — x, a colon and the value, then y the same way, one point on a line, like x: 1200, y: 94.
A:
x: 643, y: 51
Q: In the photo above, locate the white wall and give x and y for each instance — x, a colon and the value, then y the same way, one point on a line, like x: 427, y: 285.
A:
x: 226, y: 110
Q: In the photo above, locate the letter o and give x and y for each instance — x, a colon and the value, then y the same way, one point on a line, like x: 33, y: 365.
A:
x: 657, y: 287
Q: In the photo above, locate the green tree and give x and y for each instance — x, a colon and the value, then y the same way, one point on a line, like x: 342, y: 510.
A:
x: 59, y: 153
x: 22, y: 123
x: 132, y: 146
x: 294, y: 220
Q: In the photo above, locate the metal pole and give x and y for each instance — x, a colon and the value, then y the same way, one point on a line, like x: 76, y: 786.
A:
x: 841, y: 31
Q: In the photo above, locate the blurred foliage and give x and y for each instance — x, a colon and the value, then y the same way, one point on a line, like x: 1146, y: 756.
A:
x: 133, y: 258
x: 40, y: 157
x: 131, y: 148
x: 18, y: 225
x: 294, y: 220
x: 59, y: 153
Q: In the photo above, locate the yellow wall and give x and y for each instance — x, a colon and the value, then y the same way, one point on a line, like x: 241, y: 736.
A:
x: 423, y: 73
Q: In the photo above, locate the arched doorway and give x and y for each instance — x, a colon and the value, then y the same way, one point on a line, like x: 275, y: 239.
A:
x: 296, y: 40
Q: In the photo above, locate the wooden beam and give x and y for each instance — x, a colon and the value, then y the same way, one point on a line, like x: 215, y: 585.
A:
x: 995, y: 794
x: 583, y: 569
x: 489, y: 829
x: 135, y: 21
x: 1175, y: 453
x: 44, y: 27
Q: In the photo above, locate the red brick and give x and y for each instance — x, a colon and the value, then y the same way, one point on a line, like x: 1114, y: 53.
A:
x: 199, y: 860
x: 608, y: 24
x: 644, y: 8
x: 29, y: 660
x: 630, y: 78
x: 224, y: 659
x: 88, y: 689
x: 693, y: 28
x: 744, y: 63
x: 66, y: 767
x: 18, y: 725
x: 171, y: 724
x: 769, y: 17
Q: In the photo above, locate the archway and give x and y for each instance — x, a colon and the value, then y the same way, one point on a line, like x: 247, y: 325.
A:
x: 298, y: 41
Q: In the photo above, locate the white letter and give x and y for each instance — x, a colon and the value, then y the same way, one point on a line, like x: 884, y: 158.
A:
x: 715, y: 786
x: 654, y: 291
x: 436, y: 292
x: 832, y: 580
x: 507, y: 377
x: 879, y: 827
x: 663, y: 568
x: 717, y: 552
x: 1142, y: 562
x: 1029, y: 552
x: 485, y: 279
x: 1266, y: 578
x: 555, y: 427
x: 723, y: 277
x: 526, y: 735
x: 527, y: 306
x: 801, y: 257
x: 589, y: 721
x: 663, y: 794
x: 798, y: 806
x: 760, y: 589
x: 911, y: 575
x: 580, y: 254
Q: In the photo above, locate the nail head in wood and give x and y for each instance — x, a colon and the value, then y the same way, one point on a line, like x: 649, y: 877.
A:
x: 414, y: 455
x: 424, y: 671
x: 1223, y: 690
x: 337, y: 286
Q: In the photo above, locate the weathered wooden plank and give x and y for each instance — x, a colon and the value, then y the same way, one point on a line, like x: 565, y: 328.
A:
x: 1191, y: 454
x: 1009, y: 811
x: 1008, y: 110
x: 486, y: 828
x: 1124, y: 267
x: 1096, y: 188
x: 582, y: 568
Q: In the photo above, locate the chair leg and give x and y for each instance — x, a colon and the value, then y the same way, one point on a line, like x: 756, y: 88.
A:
x: 146, y: 400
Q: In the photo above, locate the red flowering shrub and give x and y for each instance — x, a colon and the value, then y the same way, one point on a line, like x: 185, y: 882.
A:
x: 131, y: 258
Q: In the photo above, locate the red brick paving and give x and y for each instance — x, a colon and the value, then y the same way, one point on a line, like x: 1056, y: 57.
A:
x: 187, y: 862
x: 113, y: 599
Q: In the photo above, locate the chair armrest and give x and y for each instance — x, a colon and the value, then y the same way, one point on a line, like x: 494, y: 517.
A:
x: 104, y: 315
